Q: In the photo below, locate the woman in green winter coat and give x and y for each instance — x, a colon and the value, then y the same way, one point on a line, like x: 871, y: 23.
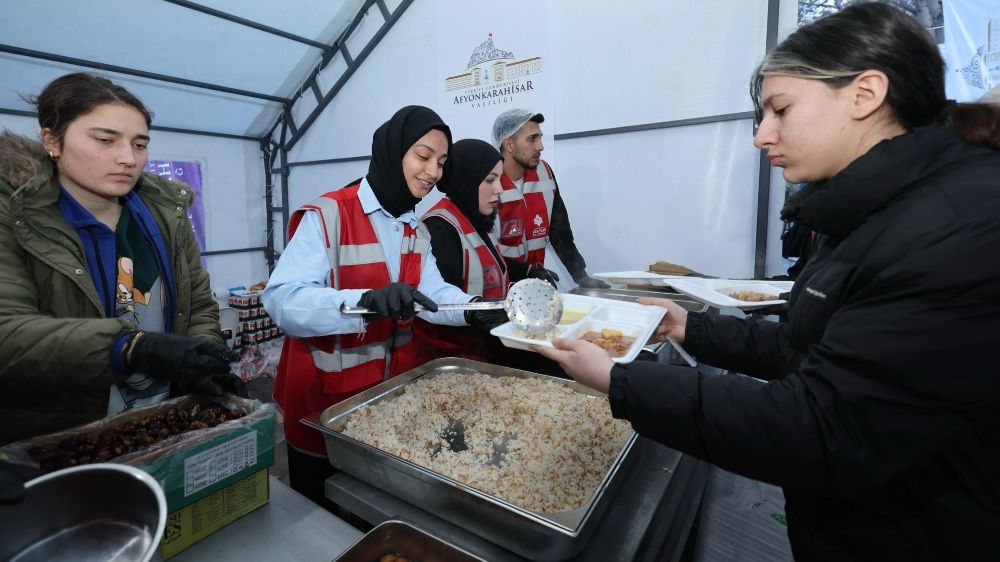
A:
x: 103, y: 301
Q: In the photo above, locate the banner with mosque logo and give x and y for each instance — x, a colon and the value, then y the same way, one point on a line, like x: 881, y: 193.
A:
x: 490, y: 61
x: 972, y: 48
x: 189, y: 173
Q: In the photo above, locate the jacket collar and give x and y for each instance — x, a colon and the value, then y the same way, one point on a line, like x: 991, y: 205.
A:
x: 869, y: 184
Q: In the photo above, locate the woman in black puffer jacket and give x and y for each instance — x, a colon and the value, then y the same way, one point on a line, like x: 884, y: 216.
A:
x: 878, y: 413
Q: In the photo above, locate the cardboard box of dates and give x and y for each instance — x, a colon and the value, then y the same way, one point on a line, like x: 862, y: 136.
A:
x: 192, y: 445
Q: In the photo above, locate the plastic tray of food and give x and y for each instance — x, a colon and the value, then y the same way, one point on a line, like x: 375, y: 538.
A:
x: 399, y: 541
x: 746, y: 294
x: 620, y: 327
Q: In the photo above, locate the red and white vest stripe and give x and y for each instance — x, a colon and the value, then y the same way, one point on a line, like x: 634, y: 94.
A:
x: 316, y: 372
x: 525, y: 214
x: 482, y: 275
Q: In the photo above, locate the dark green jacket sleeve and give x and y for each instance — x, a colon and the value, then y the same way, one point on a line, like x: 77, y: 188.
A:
x: 41, y: 352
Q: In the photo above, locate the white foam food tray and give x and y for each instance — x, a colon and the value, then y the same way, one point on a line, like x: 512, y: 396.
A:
x: 717, y: 292
x: 632, y: 277
x: 582, y: 314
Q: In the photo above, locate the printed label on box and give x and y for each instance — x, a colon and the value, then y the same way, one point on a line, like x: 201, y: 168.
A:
x: 208, y: 467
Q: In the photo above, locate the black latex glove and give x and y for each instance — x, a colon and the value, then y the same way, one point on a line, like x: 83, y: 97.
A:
x: 591, y: 283
x: 176, y: 358
x: 212, y: 386
x: 536, y: 271
x: 12, y: 479
x: 395, y: 300
x: 485, y: 320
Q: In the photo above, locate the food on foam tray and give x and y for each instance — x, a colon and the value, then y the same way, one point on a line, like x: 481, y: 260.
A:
x: 615, y: 342
x: 544, y: 336
x: 752, y: 296
x: 535, y: 443
x: 129, y: 437
x: 570, y: 316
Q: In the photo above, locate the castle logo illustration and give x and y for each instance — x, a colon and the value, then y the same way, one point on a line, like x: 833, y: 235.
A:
x: 492, y: 77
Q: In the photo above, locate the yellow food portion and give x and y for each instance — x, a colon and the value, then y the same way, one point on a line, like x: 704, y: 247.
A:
x: 570, y: 316
x: 609, y: 333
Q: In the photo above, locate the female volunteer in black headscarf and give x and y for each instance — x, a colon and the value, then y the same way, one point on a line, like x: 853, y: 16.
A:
x: 361, y: 245
x: 467, y: 253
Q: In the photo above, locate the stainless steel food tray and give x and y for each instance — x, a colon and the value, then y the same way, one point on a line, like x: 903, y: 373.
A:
x: 404, y: 539
x: 533, y: 534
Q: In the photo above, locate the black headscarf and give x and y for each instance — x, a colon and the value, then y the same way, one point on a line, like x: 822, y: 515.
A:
x: 389, y: 143
x: 469, y: 162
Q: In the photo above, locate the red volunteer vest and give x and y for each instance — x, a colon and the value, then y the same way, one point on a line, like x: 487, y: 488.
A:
x: 315, y: 373
x: 524, y: 217
x: 482, y: 275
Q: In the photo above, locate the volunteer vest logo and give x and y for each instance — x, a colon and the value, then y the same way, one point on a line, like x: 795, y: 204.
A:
x: 492, y: 77
x: 539, y: 229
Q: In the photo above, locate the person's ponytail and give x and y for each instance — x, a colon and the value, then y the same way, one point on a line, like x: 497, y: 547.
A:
x: 976, y: 123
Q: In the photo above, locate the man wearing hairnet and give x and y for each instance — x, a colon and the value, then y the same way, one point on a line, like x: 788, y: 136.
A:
x: 532, y: 224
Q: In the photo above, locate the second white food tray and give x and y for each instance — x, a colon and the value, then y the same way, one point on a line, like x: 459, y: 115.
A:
x: 582, y: 314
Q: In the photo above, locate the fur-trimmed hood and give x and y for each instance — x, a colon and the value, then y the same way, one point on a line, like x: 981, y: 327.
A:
x: 21, y: 158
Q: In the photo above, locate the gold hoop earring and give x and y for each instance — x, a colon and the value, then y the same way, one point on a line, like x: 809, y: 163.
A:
x: 53, y: 156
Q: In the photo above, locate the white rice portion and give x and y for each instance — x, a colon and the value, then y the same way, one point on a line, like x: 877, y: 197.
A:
x: 560, y: 444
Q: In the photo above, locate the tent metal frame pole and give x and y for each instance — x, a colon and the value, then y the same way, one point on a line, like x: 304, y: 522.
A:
x: 311, y: 81
x: 764, y: 167
x: 249, y: 23
x: 30, y: 53
x: 578, y: 135
x: 659, y: 125
x: 358, y: 60
x: 265, y: 149
x: 285, y: 171
x: 32, y: 114
x: 234, y: 251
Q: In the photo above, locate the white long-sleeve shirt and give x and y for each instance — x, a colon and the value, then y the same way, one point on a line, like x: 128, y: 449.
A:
x: 298, y: 295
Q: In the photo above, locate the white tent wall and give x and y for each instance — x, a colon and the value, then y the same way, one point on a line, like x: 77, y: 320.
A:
x: 684, y: 194
x: 232, y: 192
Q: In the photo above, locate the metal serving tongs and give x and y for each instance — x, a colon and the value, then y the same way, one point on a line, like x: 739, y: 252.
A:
x: 533, y: 306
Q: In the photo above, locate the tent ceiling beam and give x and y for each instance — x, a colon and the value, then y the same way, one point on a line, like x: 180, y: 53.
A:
x: 249, y: 23
x: 351, y: 68
x: 315, y: 90
x: 383, y: 8
x: 234, y: 251
x: 33, y: 115
x: 658, y: 125
x: 30, y: 53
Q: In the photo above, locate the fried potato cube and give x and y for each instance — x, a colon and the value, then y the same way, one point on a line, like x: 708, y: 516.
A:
x: 608, y: 333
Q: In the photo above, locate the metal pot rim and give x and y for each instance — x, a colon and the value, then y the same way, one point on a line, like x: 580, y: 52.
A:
x: 145, y: 478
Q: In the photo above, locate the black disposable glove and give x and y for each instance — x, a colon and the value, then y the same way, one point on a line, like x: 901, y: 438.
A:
x: 395, y: 300
x: 212, y: 386
x: 12, y: 479
x: 536, y: 271
x: 590, y: 283
x: 485, y: 320
x: 176, y: 358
